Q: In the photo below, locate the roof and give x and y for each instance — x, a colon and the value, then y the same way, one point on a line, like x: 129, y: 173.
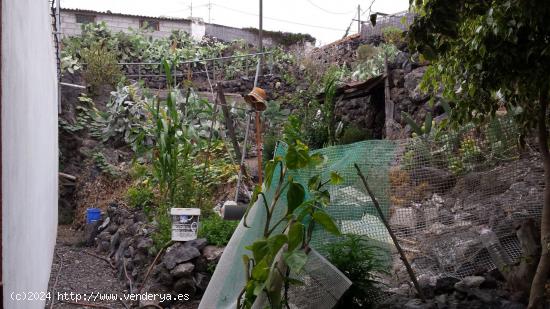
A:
x: 83, y: 11
x: 357, y: 89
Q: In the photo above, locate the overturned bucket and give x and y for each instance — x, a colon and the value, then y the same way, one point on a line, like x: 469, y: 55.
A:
x: 185, y: 223
x: 93, y: 215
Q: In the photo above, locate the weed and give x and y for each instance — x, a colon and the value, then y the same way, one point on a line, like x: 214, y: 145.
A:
x: 216, y: 230
x: 359, y: 261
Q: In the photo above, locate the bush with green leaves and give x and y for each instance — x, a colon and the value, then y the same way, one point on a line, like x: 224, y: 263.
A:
x: 357, y: 258
x: 137, y: 45
x: 374, y: 65
x: 216, y: 230
x: 140, y: 196
x: 352, y: 133
x: 101, y: 66
x: 393, y: 35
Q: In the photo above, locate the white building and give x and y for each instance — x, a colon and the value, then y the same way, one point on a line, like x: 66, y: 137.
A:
x: 29, y: 150
x: 73, y: 19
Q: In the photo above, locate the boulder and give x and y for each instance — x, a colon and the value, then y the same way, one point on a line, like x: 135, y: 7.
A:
x: 469, y: 282
x: 403, y: 218
x: 440, y: 180
x: 202, y: 280
x: 198, y: 243
x: 186, y: 285
x: 182, y: 270
x: 177, y: 254
x: 212, y: 253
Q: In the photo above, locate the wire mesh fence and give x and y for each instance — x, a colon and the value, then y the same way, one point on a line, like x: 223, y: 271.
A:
x: 401, y: 20
x: 453, y: 201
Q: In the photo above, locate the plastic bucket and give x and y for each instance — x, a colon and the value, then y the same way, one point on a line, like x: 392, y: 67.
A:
x: 93, y: 215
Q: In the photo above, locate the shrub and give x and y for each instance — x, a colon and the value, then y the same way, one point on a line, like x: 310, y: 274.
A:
x: 392, y: 35
x: 358, y: 260
x: 216, y: 230
x: 353, y: 134
x: 101, y: 66
x: 140, y: 196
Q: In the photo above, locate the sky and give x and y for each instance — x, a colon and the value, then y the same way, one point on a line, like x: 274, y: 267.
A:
x: 326, y: 20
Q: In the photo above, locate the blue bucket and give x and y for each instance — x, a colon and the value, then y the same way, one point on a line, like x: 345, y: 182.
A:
x: 93, y: 215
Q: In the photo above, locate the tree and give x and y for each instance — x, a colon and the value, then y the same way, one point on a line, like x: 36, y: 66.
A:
x: 487, y: 54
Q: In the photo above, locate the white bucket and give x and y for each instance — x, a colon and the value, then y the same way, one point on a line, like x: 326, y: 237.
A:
x: 185, y: 223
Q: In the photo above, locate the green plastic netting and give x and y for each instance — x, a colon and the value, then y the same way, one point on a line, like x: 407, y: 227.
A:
x: 438, y: 192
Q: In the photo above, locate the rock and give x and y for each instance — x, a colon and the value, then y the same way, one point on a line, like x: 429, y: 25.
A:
x: 90, y: 232
x: 441, y: 301
x: 112, y: 228
x: 445, y: 285
x: 105, y: 236
x: 182, y: 270
x: 403, y: 218
x: 511, y: 305
x: 198, y: 243
x: 418, y: 96
x: 419, y: 304
x: 412, y: 79
x: 185, y: 285
x: 165, y: 278
x: 177, y: 254
x: 144, y: 244
x: 469, y: 282
x: 212, y: 253
x: 484, y: 296
x: 440, y: 180
x: 103, y: 246
x: 202, y: 281
x: 104, y: 224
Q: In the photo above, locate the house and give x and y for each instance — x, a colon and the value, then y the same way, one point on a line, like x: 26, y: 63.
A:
x: 73, y: 19
x: 29, y: 150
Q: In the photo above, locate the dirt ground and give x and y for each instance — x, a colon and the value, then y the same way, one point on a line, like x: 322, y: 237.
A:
x: 76, y: 270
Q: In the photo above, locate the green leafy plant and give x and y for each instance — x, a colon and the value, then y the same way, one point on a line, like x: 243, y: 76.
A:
x: 284, y: 245
x: 101, y: 66
x: 352, y: 133
x: 368, y: 66
x: 140, y: 196
x: 393, y: 35
x: 216, y: 230
x: 359, y: 260
x: 106, y: 167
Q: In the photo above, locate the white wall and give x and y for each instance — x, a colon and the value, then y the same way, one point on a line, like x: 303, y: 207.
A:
x: 117, y: 23
x: 29, y: 149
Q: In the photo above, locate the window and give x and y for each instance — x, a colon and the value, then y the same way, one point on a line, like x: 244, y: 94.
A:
x: 149, y: 24
x: 85, y: 18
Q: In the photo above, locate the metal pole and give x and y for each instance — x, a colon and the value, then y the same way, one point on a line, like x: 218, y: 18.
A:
x: 260, y: 30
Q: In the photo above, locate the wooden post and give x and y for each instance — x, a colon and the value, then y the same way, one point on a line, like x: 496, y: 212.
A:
x: 392, y: 235
x: 259, y: 147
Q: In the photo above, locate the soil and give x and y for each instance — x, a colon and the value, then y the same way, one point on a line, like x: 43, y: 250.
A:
x: 80, y: 270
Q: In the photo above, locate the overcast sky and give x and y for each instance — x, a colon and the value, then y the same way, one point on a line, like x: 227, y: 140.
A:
x: 326, y: 20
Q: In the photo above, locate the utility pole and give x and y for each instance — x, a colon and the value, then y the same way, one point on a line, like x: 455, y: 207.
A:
x: 191, y: 8
x: 358, y: 18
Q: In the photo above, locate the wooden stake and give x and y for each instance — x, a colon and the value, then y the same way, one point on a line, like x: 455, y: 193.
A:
x: 392, y: 235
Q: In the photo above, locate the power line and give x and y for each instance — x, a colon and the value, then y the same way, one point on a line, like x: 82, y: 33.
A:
x: 277, y: 19
x: 327, y: 11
